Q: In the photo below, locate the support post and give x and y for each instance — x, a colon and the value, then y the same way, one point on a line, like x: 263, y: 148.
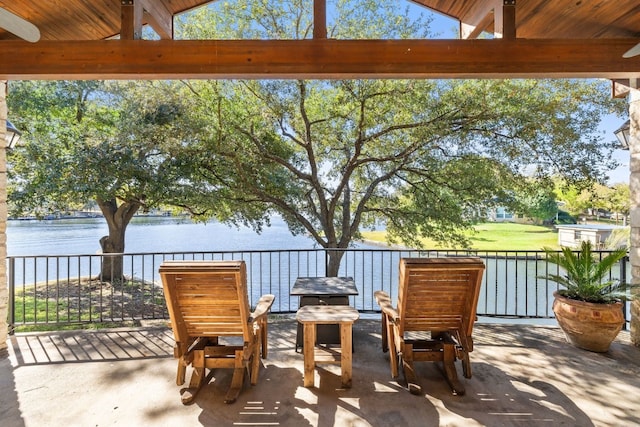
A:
x: 4, y: 292
x: 634, y: 184
x: 131, y: 19
x: 319, y: 19
x: 509, y: 19
x: 504, y: 20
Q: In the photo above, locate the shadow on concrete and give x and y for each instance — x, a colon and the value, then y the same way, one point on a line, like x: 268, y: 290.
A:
x: 280, y: 399
x: 517, y: 401
x: 91, y: 346
x: 9, y: 404
x: 522, y: 375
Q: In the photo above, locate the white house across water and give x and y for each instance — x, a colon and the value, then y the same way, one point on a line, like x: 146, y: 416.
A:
x: 572, y: 235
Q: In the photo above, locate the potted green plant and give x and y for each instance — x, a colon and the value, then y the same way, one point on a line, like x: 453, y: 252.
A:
x: 589, y: 307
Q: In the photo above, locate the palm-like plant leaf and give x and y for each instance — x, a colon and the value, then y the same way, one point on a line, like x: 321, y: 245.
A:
x: 585, y: 277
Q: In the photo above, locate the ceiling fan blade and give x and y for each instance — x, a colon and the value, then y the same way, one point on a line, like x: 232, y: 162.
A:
x: 634, y: 51
x: 18, y: 26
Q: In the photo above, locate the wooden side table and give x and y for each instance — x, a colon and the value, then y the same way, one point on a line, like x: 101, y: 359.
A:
x: 312, y: 315
x: 323, y: 291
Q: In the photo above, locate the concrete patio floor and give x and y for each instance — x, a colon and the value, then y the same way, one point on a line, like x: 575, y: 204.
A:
x: 522, y: 375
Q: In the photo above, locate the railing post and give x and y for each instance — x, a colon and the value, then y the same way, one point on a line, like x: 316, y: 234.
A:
x: 623, y: 279
x: 326, y: 261
x: 11, y: 284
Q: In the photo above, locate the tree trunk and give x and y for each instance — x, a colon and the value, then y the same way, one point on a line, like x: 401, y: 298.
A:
x: 117, y: 218
x: 333, y: 262
x: 111, y: 269
x: 335, y: 251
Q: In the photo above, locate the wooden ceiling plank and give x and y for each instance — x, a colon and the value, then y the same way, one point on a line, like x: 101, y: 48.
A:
x: 478, y: 18
x: 158, y: 15
x: 322, y: 58
x: 131, y: 13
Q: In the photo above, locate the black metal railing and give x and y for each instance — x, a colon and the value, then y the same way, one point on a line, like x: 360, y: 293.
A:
x: 58, y: 290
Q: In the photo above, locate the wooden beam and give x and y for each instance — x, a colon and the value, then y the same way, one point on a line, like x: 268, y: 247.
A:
x: 478, y: 18
x: 483, y: 14
x: 159, y: 17
x: 324, y: 58
x: 620, y: 88
x: 131, y: 13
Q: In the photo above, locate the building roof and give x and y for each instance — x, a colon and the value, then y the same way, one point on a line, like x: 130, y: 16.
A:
x: 596, y: 227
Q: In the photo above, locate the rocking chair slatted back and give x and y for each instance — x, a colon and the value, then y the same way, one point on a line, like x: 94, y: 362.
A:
x: 207, y: 299
x: 439, y: 294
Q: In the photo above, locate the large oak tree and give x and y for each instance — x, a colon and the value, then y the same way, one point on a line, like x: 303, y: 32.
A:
x: 110, y: 143
x: 424, y: 158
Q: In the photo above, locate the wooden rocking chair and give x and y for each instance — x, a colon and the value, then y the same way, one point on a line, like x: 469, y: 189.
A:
x: 208, y: 300
x: 437, y: 299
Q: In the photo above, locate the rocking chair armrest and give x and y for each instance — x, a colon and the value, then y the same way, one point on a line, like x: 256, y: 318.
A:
x: 384, y: 301
x: 262, y: 308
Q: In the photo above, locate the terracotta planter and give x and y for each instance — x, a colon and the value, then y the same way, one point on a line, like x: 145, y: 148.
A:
x: 588, y: 325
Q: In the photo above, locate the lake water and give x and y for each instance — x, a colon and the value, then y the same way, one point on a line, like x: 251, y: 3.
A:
x: 146, y: 234
x: 65, y: 240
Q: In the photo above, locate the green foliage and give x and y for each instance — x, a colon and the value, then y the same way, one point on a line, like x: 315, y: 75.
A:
x: 293, y: 19
x: 105, y: 141
x: 619, y: 239
x: 592, y: 196
x: 585, y: 278
x: 534, y: 199
x: 564, y: 218
x: 572, y: 197
x: 619, y: 201
x: 426, y: 158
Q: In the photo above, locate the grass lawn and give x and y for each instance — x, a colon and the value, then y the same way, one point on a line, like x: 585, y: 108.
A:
x: 86, y: 303
x: 494, y: 236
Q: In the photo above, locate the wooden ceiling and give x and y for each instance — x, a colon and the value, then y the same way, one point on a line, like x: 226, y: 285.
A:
x: 578, y: 19
x: 531, y: 38
x: 85, y: 19
x: 551, y: 19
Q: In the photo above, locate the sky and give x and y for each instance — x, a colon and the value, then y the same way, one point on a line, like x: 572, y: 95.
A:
x: 447, y: 27
x: 621, y: 173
